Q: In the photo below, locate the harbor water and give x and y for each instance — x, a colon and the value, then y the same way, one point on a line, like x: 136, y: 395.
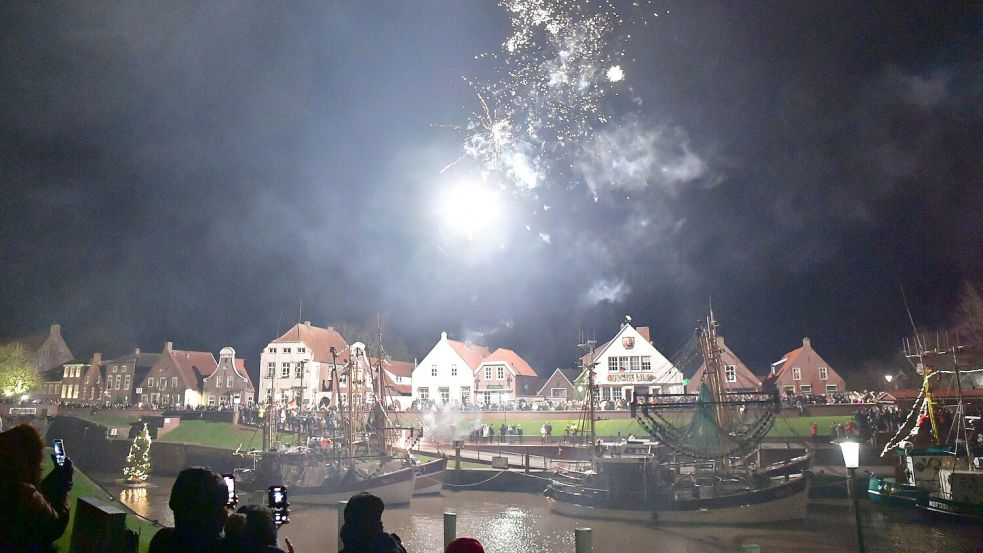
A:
x: 521, y: 522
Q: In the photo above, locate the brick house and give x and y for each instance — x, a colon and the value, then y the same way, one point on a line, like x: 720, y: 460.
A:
x: 124, y: 375
x: 229, y: 383
x: 83, y: 382
x: 47, y: 351
x: 176, y: 379
x: 559, y: 387
x: 736, y: 377
x: 504, y: 376
x: 803, y: 371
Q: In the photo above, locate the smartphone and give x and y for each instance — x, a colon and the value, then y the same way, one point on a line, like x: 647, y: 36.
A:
x: 59, y: 452
x: 278, y: 504
x: 230, y: 482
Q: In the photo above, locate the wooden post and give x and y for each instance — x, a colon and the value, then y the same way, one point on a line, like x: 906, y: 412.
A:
x: 582, y: 540
x: 341, y: 521
x: 457, y: 460
x: 450, y: 527
x: 527, y: 461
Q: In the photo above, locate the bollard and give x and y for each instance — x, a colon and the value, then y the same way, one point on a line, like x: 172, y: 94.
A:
x: 457, y: 460
x: 450, y: 527
x: 341, y: 521
x: 582, y: 540
x: 527, y: 461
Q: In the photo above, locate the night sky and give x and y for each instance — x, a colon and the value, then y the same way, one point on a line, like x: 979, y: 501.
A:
x: 194, y: 172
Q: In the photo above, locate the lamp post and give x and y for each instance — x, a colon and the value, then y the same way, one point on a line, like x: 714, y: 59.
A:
x: 851, y: 458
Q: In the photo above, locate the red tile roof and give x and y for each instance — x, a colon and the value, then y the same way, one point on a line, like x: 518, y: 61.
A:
x: 318, y: 340
x: 399, y: 368
x: 470, y: 353
x: 193, y: 364
x: 787, y: 361
x: 240, y: 368
x: 519, y: 365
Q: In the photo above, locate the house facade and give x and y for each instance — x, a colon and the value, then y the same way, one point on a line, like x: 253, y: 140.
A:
x: 398, y: 383
x: 229, y: 384
x: 47, y: 351
x: 296, y: 368
x: 629, y: 364
x: 559, y: 387
x: 736, y: 377
x: 804, y: 371
x: 447, y: 374
x: 176, y: 379
x: 83, y: 382
x: 504, y: 377
x: 124, y: 376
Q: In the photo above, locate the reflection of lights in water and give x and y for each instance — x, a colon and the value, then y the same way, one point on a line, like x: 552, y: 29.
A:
x: 136, y: 499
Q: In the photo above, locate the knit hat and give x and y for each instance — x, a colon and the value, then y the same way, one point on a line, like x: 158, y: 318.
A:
x: 465, y: 545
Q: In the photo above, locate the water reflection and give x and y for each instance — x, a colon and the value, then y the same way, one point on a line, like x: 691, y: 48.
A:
x: 518, y: 522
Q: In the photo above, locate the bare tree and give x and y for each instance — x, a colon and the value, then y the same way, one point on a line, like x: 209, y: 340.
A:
x: 969, y: 314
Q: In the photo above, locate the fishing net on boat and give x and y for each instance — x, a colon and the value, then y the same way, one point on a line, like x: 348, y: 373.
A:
x: 725, y: 418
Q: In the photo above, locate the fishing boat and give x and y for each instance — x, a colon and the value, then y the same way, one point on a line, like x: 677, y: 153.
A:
x: 696, y: 468
x: 430, y: 476
x: 937, y: 469
x: 359, y: 452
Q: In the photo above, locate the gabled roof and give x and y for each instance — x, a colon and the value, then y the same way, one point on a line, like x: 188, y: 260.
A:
x: 193, y: 365
x: 318, y: 340
x: 398, y: 368
x: 518, y: 365
x: 778, y: 368
x: 642, y: 330
x: 568, y: 374
x: 470, y: 353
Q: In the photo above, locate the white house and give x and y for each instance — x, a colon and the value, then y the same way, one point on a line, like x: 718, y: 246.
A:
x: 446, y: 374
x: 630, y: 364
x: 297, y: 365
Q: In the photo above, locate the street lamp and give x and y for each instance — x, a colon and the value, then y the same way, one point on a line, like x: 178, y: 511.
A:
x: 851, y: 458
x: 889, y: 378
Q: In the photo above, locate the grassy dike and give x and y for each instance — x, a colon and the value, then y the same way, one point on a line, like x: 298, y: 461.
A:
x: 85, y: 487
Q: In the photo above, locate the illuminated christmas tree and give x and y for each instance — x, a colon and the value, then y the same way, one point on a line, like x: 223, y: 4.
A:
x: 137, y: 467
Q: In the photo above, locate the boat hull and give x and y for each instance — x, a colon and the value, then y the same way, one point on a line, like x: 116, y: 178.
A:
x: 781, y: 502
x: 393, y: 488
x: 887, y: 491
x: 430, y: 477
x: 948, y: 508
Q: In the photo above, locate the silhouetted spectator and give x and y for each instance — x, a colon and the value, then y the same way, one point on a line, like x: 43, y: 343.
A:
x: 33, y: 512
x: 252, y: 530
x: 198, y: 500
x: 362, y: 531
x: 464, y: 545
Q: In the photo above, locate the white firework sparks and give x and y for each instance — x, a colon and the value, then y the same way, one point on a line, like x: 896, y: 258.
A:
x: 560, y: 61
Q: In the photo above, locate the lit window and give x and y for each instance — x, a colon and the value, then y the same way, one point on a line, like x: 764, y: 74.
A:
x: 163, y: 383
x: 731, y: 372
x: 796, y: 373
x: 823, y: 373
x: 173, y: 382
x: 218, y: 382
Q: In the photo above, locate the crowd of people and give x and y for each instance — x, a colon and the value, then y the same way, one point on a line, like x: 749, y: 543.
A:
x: 34, y: 512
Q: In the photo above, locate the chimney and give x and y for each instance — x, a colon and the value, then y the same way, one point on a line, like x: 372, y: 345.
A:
x: 55, y: 329
x: 443, y: 336
x: 168, y: 346
x: 96, y: 358
x: 806, y: 343
x: 307, y: 323
x: 136, y: 351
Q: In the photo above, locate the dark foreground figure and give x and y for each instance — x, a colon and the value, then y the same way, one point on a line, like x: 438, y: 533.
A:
x: 362, y: 531
x: 33, y: 512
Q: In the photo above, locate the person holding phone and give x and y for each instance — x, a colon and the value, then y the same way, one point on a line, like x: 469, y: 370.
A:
x: 199, y: 500
x: 33, y: 512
